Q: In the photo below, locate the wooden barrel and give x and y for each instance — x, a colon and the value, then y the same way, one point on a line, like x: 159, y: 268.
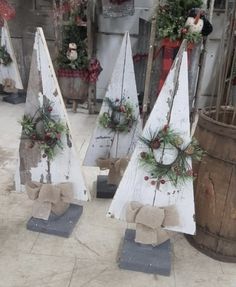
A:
x: 215, y: 189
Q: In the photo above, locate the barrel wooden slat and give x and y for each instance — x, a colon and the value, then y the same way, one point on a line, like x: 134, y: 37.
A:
x: 215, y: 190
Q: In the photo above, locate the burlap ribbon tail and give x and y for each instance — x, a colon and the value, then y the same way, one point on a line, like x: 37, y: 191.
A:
x: 49, y: 198
x: 116, y: 168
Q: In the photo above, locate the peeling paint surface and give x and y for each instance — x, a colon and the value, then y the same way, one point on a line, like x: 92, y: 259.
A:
x: 10, y: 71
x: 133, y: 187
x: 43, y: 86
x: 104, y: 142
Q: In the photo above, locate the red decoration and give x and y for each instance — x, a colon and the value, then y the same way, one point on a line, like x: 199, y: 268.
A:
x: 88, y: 75
x: 7, y: 11
x: 146, y: 177
x: 94, y: 70
x: 170, y: 49
x: 162, y: 181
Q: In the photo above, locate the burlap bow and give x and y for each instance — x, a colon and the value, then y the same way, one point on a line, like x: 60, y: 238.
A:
x: 116, y: 168
x: 48, y: 197
x: 9, y: 86
x: 149, y: 222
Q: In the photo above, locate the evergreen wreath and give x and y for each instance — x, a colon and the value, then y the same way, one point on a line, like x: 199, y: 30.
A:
x: 177, y: 172
x: 5, y: 58
x: 120, y: 116
x: 44, y: 130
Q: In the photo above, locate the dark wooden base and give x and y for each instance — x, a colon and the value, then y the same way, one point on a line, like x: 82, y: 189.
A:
x: 209, y: 252
x: 57, y: 225
x: 15, y: 99
x: 105, y: 190
x: 145, y: 257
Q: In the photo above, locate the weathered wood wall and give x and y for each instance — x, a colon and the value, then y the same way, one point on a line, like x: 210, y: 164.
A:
x: 29, y: 15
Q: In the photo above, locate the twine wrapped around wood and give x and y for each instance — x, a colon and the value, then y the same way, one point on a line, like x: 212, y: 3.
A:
x: 49, y: 198
x: 116, y: 168
x: 149, y: 222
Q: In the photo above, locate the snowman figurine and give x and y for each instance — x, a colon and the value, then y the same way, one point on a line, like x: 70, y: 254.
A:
x: 71, y: 53
x: 194, y: 23
x: 197, y: 22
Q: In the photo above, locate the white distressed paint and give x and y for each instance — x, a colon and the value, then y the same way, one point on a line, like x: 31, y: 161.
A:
x: 133, y: 187
x: 105, y: 143
x: 10, y: 71
x: 65, y: 167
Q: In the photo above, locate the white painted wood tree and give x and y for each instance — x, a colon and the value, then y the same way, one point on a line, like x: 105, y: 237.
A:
x: 171, y: 111
x: 43, y: 89
x: 108, y: 142
x: 11, y: 70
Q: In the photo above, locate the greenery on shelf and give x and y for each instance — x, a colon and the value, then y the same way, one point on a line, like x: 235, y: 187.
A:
x: 171, y: 18
x: 73, y: 33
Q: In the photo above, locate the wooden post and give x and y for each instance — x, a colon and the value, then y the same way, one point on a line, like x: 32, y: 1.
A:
x: 146, y: 99
x: 57, y: 19
x: 202, y: 63
x: 91, y: 52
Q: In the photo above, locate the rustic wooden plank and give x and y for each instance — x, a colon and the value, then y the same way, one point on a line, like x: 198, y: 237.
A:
x: 65, y: 166
x: 133, y: 187
x: 146, y: 99
x: 105, y: 143
x: 140, y: 64
x: 91, y: 53
x: 10, y: 71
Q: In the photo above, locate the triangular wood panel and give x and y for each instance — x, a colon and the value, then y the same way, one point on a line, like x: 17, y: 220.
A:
x: 43, y: 86
x: 170, y: 108
x: 10, y: 71
x: 105, y: 143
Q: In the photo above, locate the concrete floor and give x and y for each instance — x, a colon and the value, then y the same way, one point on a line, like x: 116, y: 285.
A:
x: 88, y: 257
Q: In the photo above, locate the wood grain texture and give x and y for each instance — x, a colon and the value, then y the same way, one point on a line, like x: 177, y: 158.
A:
x: 215, y: 189
x: 104, y: 142
x: 133, y: 187
x: 43, y: 86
